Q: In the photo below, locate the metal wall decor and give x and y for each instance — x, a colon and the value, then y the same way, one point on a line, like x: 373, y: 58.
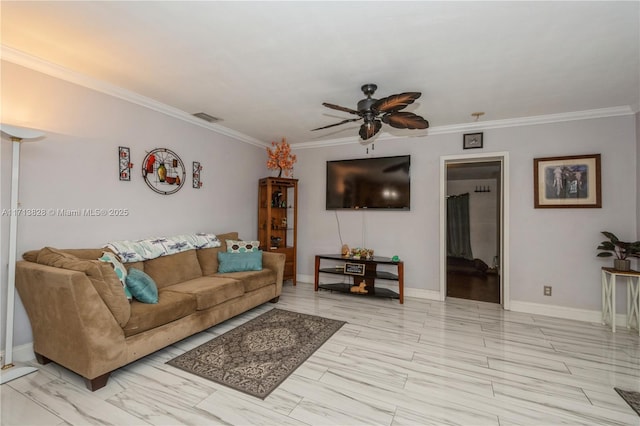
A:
x: 124, y: 163
x: 163, y: 171
x: 197, y: 168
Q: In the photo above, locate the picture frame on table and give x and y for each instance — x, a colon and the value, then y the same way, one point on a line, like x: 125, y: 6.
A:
x: 567, y: 182
x: 472, y: 140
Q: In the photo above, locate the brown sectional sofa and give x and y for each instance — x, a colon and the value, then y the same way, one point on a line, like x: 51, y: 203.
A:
x: 82, y: 320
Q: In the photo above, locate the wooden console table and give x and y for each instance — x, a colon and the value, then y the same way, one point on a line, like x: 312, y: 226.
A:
x: 609, y: 297
x: 367, y: 275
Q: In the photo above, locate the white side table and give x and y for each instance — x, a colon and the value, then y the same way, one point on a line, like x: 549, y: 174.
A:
x: 609, y: 276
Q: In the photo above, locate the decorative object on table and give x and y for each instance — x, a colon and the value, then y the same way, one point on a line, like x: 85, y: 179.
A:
x: 472, y: 140
x: 257, y: 356
x: 354, y: 269
x: 275, y: 242
x: 630, y: 397
x: 18, y: 135
x: 124, y: 163
x: 620, y: 249
x: 361, y: 253
x: 378, y: 111
x: 163, y: 171
x: 395, y: 259
x: 197, y: 168
x: 572, y: 181
x: 345, y: 250
x: 281, y: 158
x: 361, y: 288
x: 276, y: 199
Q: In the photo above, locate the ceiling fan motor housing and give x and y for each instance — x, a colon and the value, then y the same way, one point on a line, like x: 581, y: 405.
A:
x: 365, y: 105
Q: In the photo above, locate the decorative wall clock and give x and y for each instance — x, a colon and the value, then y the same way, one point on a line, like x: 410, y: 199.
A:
x: 163, y: 171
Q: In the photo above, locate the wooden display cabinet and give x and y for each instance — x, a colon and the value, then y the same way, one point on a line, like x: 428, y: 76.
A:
x: 278, y: 219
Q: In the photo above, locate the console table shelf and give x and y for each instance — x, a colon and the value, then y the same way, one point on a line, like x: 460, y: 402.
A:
x: 367, y: 275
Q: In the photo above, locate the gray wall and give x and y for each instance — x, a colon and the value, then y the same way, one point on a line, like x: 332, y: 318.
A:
x: 547, y: 246
x: 76, y: 166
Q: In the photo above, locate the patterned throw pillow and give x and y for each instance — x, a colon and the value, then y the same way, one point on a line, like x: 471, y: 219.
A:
x: 119, y: 269
x: 239, y: 246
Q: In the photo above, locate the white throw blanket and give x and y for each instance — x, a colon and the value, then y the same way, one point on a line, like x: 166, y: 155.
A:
x: 151, y: 248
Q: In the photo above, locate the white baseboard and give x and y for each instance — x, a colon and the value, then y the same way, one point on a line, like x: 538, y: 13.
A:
x: 564, y: 312
x: 22, y: 353
x: 556, y: 311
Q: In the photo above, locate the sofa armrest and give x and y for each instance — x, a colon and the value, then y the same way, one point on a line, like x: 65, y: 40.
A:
x: 275, y: 262
x: 71, y: 324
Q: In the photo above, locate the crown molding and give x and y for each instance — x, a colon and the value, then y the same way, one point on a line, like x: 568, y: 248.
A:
x: 486, y: 125
x: 34, y: 63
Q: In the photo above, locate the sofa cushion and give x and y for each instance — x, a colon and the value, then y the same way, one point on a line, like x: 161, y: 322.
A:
x: 173, y: 269
x: 209, y: 291
x: 171, y: 306
x: 142, y: 286
x: 253, y: 280
x: 239, y: 262
x: 100, y: 274
x: 208, y: 257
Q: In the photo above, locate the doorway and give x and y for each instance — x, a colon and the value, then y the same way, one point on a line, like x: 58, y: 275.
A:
x: 473, y: 228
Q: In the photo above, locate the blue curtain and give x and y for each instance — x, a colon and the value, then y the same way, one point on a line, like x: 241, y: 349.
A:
x: 458, y: 228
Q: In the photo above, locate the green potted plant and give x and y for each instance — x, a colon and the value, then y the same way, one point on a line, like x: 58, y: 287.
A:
x: 620, y: 249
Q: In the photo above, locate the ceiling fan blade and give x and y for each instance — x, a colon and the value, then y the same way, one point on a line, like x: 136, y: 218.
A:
x: 368, y: 130
x: 405, y: 120
x: 395, y: 103
x: 341, y: 108
x: 337, y: 124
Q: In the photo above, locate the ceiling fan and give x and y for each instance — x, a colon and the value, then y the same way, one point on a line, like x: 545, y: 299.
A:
x: 378, y: 111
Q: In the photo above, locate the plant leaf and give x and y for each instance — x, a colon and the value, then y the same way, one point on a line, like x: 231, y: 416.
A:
x: 610, y: 236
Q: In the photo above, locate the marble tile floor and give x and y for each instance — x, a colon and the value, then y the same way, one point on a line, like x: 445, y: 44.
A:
x: 421, y: 363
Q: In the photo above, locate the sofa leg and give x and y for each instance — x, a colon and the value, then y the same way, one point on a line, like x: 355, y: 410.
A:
x: 275, y: 299
x: 42, y: 360
x: 97, y: 383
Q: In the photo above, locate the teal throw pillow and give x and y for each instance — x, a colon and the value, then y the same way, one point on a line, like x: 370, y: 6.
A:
x: 239, y: 262
x: 142, y: 286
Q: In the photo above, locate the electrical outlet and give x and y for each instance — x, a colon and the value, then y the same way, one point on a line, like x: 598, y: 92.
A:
x: 547, y: 290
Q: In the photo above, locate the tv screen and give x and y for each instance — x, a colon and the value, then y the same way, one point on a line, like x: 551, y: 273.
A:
x: 369, y: 183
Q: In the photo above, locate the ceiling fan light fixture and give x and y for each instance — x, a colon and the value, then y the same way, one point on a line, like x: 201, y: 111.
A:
x: 376, y: 111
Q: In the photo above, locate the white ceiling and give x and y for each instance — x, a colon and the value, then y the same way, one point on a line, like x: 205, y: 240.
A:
x: 266, y: 67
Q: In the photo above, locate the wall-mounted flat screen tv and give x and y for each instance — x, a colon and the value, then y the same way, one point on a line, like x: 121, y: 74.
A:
x: 369, y: 183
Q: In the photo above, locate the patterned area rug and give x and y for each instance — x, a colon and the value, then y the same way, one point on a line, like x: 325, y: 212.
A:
x: 258, y: 355
x: 632, y: 398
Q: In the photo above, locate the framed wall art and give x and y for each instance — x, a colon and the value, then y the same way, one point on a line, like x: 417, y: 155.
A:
x: 572, y: 181
x: 472, y: 140
x: 163, y: 171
